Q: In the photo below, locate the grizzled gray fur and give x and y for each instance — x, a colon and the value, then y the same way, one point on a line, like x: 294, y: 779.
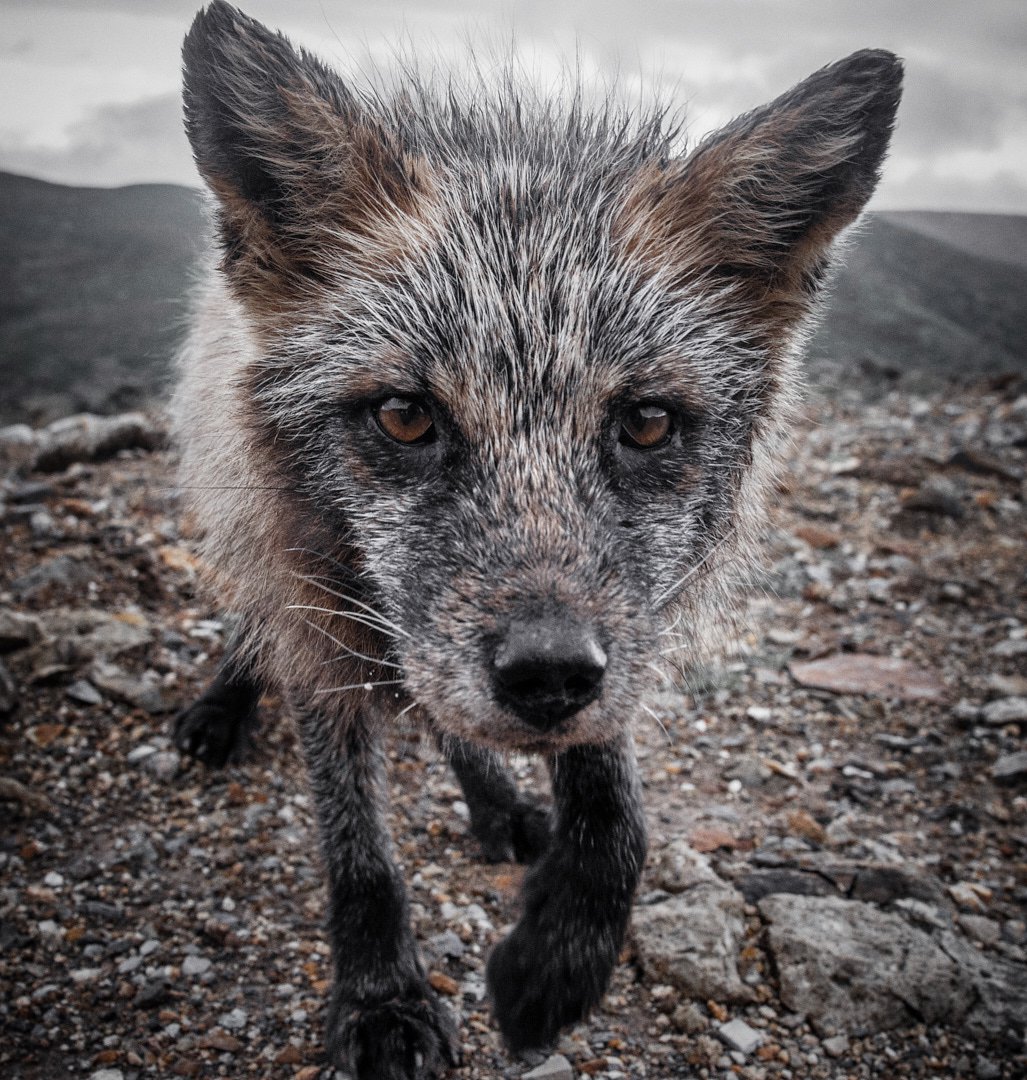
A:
x: 476, y: 414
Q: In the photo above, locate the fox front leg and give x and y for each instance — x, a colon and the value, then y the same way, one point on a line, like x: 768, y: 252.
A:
x: 384, y: 1021
x: 556, y: 963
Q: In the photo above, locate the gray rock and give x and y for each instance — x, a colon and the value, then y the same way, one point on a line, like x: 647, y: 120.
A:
x: 1009, y: 710
x: 195, y: 965
x: 848, y: 965
x: 737, y: 1035
x: 62, y: 571
x: 556, y: 1067
x: 1010, y: 768
x: 836, y: 1045
x: 164, y: 765
x: 96, y: 633
x: 882, y: 884
x: 759, y: 883
x: 680, y: 867
x: 17, y: 630
x: 8, y: 691
x: 692, y: 940
x: 84, y: 693
x: 234, y: 1020
x: 141, y: 693
x: 92, y: 438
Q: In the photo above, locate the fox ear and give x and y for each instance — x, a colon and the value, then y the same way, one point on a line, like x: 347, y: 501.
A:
x: 284, y: 146
x: 759, y: 202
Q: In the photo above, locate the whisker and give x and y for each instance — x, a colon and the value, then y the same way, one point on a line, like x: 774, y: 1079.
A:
x: 377, y: 615
x: 668, y: 593
x: 659, y: 722
x: 358, y: 686
x: 353, y: 652
x: 351, y: 615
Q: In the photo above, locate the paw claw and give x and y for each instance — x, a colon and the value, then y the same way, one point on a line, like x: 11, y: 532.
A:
x: 402, y: 1039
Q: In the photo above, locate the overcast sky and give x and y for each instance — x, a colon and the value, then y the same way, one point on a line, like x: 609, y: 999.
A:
x: 89, y: 88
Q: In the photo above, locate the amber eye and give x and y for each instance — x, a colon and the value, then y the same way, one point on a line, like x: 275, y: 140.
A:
x: 645, y: 427
x: 405, y: 419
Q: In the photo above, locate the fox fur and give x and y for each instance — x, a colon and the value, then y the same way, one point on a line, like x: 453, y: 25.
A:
x: 539, y: 281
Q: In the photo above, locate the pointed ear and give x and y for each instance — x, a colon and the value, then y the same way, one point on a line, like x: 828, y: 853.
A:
x: 287, y: 149
x: 758, y: 203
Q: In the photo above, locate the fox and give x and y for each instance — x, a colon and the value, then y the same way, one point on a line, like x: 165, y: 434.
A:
x: 482, y: 398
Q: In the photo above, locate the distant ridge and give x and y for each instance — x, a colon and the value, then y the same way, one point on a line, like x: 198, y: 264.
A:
x: 92, y: 292
x: 1000, y: 237
x: 93, y: 284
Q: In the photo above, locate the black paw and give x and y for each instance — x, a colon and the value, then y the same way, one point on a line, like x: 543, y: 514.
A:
x: 541, y: 982
x: 215, y: 730
x: 401, y: 1039
x: 515, y: 833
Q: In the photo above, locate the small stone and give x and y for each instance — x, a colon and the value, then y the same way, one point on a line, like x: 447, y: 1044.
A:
x: 1010, y: 647
x: 53, y: 880
x: 1010, y: 768
x: 234, y: 1020
x: 1010, y: 710
x: 737, y: 1035
x: 870, y: 676
x: 8, y: 691
x: 107, y: 1074
x: 445, y: 984
x: 164, y: 765
x: 152, y: 994
x: 289, y: 1055
x: 836, y: 1045
x: 966, y: 896
x: 219, y: 1040
x: 986, y: 931
x: 195, y: 965
x: 84, y: 693
x: 556, y: 1067
x: 681, y: 867
x: 17, y: 631
x: 689, y: 1018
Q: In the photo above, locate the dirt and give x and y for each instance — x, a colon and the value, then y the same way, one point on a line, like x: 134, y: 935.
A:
x: 158, y: 919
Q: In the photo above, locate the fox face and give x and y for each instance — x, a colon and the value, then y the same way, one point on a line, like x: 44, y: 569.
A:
x: 515, y: 370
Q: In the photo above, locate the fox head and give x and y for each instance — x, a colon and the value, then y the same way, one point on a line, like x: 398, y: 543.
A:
x: 516, y: 369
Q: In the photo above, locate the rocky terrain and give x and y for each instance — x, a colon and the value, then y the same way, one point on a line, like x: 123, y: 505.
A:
x: 837, y: 883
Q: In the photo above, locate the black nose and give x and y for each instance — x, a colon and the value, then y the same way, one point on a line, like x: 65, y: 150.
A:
x: 547, y: 669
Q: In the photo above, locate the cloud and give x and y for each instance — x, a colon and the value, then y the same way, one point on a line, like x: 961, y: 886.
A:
x: 135, y: 143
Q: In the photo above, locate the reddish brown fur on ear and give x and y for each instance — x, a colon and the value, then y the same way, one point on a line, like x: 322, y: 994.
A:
x: 298, y: 169
x: 758, y: 203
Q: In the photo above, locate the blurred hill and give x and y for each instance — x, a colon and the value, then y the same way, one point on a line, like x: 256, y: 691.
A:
x: 93, y: 285
x: 92, y: 292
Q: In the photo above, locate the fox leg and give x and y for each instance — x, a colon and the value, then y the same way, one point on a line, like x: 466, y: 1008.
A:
x: 384, y: 1021
x: 556, y: 963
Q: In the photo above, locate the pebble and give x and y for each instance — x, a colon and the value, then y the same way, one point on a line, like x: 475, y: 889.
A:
x: 84, y: 693
x: 1010, y: 768
x: 737, y: 1035
x: 556, y: 1067
x: 195, y: 965
x: 836, y: 1045
x: 234, y: 1020
x: 1009, y: 710
x: 53, y: 880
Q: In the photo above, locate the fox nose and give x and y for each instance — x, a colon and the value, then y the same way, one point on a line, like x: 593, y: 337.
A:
x: 545, y: 670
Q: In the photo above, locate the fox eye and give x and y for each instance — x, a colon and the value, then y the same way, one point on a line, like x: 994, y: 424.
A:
x: 406, y: 420
x: 645, y: 427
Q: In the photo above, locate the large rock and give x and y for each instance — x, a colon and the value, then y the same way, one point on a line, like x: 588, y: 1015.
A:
x: 848, y: 965
x: 92, y: 438
x: 692, y: 940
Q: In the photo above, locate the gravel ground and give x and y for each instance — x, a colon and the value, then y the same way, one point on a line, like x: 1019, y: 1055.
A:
x: 157, y: 919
